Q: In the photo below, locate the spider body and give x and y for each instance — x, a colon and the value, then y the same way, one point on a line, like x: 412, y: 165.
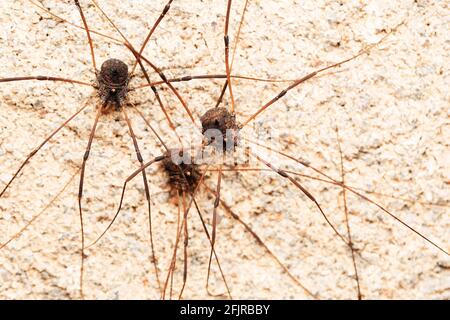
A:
x: 183, y: 174
x: 220, y: 128
x: 112, y: 82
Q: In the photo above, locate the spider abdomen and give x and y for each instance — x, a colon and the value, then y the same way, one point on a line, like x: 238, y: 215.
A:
x: 113, y: 82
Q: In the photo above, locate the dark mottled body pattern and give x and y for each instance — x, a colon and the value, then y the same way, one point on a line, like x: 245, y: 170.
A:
x: 184, y: 180
x: 221, y: 119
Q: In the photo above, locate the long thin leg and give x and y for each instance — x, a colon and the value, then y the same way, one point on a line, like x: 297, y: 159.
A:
x: 224, y: 88
x: 275, y: 170
x: 185, y: 215
x: 35, y: 150
x: 228, y: 75
x: 215, y: 255
x: 166, y: 114
x: 209, y: 76
x: 238, y: 33
x: 172, y: 270
x: 354, y: 191
x: 172, y: 265
x: 347, y: 222
x: 303, y: 163
x: 214, y: 221
x: 91, y: 46
x: 177, y: 240
x: 46, y: 78
x: 222, y: 93
x: 227, y: 49
x: 284, y: 174
x: 147, y: 195
x: 80, y: 193
x: 261, y: 242
x: 150, y: 126
x: 152, y: 30
x: 185, y: 250
x: 283, y: 93
x: 109, y: 20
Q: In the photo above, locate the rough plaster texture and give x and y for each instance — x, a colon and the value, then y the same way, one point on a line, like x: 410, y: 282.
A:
x: 391, y: 107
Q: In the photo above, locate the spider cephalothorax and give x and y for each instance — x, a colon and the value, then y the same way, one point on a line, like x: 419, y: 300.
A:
x: 183, y: 174
x: 220, y: 128
x: 113, y: 82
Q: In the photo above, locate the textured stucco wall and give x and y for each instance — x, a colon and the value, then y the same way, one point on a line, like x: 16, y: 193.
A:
x: 391, y: 107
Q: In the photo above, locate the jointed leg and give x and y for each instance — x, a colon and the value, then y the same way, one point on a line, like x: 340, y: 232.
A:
x: 152, y: 30
x: 172, y: 269
x: 347, y: 223
x: 214, y: 221
x: 227, y: 49
x: 80, y: 193
x: 185, y: 249
x: 88, y: 35
x: 228, y: 76
x: 222, y: 93
x: 46, y: 78
x: 210, y: 76
x: 147, y: 194
x: 335, y: 183
x: 284, y: 174
x: 215, y: 255
x: 172, y: 266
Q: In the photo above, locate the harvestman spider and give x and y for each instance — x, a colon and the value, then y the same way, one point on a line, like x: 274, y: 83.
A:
x: 223, y: 120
